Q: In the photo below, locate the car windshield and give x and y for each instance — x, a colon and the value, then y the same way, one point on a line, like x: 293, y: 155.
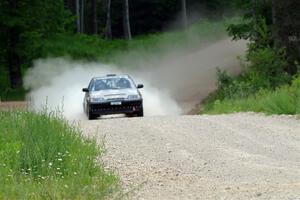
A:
x: 110, y: 84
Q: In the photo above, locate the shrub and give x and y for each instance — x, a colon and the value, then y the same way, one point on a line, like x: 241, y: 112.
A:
x: 267, y: 66
x: 283, y: 100
x: 264, y: 69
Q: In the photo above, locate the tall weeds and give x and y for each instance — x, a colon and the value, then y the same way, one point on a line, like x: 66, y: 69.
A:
x: 43, y: 157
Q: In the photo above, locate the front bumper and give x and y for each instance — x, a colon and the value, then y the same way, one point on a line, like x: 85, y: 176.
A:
x: 126, y: 107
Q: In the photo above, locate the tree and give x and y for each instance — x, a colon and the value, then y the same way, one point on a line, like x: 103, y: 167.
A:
x: 282, y: 19
x: 78, y: 16
x: 184, y: 14
x: 108, y: 31
x: 126, y: 20
x: 23, y: 26
x: 273, y: 12
x: 95, y: 21
x: 82, y: 24
x: 286, y: 19
x: 13, y: 31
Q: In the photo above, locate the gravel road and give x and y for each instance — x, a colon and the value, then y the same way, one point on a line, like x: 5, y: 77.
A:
x: 238, y: 156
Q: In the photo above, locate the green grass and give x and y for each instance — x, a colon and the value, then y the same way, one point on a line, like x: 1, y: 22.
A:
x: 283, y: 100
x: 43, y: 157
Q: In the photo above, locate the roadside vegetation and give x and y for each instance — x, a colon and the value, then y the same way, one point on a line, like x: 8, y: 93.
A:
x: 283, y: 100
x: 263, y: 86
x: 43, y: 157
x: 270, y: 79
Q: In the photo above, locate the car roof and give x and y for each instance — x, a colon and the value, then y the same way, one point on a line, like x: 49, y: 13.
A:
x: 112, y: 76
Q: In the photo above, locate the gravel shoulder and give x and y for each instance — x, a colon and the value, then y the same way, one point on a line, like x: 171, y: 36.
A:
x: 238, y: 156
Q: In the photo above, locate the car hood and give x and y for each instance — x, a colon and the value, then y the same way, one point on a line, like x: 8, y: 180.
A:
x: 114, y: 94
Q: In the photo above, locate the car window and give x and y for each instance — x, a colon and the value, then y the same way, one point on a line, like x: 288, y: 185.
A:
x: 110, y: 84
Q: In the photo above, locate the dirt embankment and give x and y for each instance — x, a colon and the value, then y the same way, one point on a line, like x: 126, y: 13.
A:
x: 13, y: 105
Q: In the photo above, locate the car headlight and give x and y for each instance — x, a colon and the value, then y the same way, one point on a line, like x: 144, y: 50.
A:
x: 96, y: 99
x: 133, y: 97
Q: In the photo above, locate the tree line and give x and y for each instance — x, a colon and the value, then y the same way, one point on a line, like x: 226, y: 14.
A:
x: 273, y: 24
x: 24, y: 22
x: 124, y: 18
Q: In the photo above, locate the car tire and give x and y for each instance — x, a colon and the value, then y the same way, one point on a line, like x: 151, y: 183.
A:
x: 91, y: 116
x: 130, y: 115
x: 140, y: 113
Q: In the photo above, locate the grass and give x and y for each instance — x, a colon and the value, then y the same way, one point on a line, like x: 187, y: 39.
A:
x: 283, y: 100
x: 43, y: 157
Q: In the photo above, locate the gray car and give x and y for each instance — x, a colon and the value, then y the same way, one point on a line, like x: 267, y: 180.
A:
x: 113, y: 94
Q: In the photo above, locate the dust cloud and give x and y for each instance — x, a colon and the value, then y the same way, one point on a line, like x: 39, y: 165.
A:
x: 174, y: 83
x: 190, y: 77
x: 56, y: 83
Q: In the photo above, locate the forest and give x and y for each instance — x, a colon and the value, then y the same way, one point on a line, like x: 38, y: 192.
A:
x: 27, y: 25
x: 38, y: 28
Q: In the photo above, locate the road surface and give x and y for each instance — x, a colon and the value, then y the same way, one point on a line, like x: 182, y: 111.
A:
x: 237, y: 156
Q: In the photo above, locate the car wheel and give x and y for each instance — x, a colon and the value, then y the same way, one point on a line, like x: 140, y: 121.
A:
x: 91, y: 116
x: 140, y: 113
x: 130, y: 115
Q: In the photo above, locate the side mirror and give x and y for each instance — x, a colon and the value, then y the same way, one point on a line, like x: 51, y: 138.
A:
x: 85, y: 90
x: 139, y: 86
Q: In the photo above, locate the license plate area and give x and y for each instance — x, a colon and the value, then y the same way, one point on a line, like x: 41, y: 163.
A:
x: 116, y: 103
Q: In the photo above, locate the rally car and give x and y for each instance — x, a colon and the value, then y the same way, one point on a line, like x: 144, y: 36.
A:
x: 113, y: 94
